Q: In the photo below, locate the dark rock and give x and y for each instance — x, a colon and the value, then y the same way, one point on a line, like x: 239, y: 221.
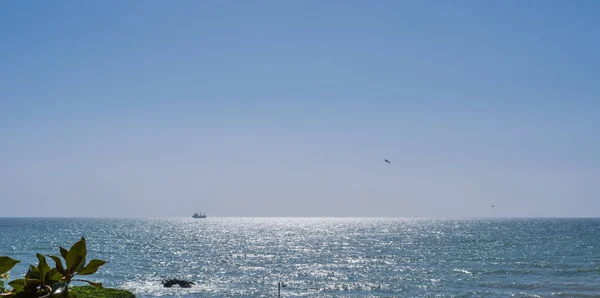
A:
x: 174, y: 281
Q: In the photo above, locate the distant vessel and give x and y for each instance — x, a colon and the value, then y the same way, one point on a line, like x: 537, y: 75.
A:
x: 199, y: 215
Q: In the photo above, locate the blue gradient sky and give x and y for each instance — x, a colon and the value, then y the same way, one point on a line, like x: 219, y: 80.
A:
x: 106, y: 108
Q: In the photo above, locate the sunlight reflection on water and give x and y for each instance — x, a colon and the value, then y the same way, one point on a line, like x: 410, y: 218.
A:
x: 326, y: 257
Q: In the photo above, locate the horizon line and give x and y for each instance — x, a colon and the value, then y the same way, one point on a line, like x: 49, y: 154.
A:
x: 309, y: 217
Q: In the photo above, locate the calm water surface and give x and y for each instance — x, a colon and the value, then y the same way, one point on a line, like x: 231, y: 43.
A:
x: 327, y: 257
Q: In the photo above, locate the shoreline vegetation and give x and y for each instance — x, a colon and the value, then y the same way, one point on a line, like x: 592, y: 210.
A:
x: 93, y: 292
x: 43, y: 281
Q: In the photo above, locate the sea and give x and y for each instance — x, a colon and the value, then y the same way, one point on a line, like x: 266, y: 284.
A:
x: 325, y: 257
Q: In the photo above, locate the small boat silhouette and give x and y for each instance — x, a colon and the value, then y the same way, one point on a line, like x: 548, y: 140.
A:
x: 199, y: 215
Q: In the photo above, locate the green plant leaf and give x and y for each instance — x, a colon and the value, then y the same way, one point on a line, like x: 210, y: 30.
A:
x: 52, y: 277
x: 91, y: 267
x: 59, y: 265
x: 6, y: 263
x: 33, y: 273
x: 32, y: 282
x: 63, y: 252
x: 18, y: 284
x: 72, y: 294
x: 76, y: 255
x: 43, y: 267
x: 82, y: 264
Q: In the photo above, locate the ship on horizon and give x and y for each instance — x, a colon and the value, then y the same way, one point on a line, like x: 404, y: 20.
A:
x: 199, y: 215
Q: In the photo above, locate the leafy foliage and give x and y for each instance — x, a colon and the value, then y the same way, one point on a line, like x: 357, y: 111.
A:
x: 93, y: 292
x: 39, y: 279
x: 42, y: 280
x: 6, y: 264
x: 75, y: 264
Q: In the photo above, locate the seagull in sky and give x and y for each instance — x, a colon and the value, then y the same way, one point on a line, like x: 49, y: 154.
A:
x: 387, y: 161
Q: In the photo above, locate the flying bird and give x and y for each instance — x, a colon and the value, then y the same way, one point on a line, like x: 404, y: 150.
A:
x: 492, y: 206
x: 387, y: 161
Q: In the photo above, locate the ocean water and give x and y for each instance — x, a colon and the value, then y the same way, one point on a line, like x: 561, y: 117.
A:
x: 326, y: 257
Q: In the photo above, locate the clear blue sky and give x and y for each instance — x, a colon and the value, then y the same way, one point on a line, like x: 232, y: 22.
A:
x: 106, y: 108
